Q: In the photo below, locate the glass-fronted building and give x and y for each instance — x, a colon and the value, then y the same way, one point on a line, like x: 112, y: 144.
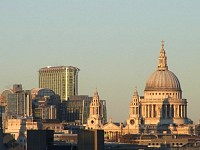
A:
x: 63, y: 80
x: 19, y: 104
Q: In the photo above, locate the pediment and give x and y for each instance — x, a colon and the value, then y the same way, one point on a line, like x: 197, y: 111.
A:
x: 111, y: 125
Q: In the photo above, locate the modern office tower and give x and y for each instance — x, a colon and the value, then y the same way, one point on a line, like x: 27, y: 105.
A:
x: 19, y: 104
x: 4, y: 94
x: 63, y: 80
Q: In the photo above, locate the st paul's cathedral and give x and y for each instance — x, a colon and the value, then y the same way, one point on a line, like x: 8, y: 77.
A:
x: 161, y: 110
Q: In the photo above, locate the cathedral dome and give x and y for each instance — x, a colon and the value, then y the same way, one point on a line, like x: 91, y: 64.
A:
x: 162, y: 78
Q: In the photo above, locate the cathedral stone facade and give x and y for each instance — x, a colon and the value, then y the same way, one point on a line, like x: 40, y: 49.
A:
x: 162, y: 108
x: 95, y: 120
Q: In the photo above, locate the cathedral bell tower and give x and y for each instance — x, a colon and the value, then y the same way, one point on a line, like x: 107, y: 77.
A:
x: 95, y: 117
x: 134, y: 120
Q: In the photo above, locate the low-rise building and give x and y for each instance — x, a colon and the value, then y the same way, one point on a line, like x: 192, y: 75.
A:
x: 18, y: 129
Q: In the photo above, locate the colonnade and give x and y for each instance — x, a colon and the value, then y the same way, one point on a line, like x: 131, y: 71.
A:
x: 165, y: 111
x: 112, y: 135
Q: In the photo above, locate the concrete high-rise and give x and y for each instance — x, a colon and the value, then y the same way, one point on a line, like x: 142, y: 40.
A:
x: 63, y: 80
x: 18, y: 101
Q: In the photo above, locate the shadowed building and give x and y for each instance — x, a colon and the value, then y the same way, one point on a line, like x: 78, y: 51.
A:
x: 46, y: 104
x: 39, y: 139
x: 76, y: 110
x: 91, y: 140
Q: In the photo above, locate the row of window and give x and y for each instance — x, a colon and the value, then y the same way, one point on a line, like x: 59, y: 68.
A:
x: 162, y: 93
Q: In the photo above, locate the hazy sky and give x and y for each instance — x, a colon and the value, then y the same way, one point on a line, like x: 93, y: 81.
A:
x: 115, y: 43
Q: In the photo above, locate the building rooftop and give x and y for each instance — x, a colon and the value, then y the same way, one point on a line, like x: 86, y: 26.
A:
x: 59, y: 67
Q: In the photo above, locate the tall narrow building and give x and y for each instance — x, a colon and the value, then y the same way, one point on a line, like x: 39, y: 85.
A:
x: 19, y: 102
x: 134, y: 119
x: 63, y: 80
x: 95, y: 120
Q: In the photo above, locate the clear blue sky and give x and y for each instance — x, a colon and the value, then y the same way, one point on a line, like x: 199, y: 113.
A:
x: 115, y: 43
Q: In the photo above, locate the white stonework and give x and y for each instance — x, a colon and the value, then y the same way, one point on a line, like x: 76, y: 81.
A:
x: 95, y: 120
x: 134, y: 120
x: 162, y: 104
x: 161, y: 110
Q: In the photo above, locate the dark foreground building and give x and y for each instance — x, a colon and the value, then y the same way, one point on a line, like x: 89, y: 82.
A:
x: 39, y: 139
x: 91, y: 140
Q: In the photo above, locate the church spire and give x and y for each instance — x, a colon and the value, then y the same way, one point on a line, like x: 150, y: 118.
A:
x: 96, y: 93
x: 135, y: 92
x: 162, y: 61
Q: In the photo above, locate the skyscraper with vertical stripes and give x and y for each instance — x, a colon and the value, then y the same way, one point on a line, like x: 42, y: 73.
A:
x: 63, y: 80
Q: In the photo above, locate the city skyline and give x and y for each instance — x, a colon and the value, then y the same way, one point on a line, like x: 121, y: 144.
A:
x: 115, y: 44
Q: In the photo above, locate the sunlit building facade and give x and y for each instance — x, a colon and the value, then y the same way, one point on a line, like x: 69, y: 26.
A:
x: 63, y: 80
x: 162, y: 109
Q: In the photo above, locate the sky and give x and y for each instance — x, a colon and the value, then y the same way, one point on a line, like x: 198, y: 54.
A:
x: 114, y: 43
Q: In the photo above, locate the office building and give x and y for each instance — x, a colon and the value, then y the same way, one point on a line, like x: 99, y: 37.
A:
x: 63, y: 80
x: 19, y: 102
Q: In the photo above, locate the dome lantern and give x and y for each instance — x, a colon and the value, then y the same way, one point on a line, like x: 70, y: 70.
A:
x: 162, y: 61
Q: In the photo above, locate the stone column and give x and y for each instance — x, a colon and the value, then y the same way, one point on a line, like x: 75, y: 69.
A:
x: 175, y: 111
x: 158, y: 111
x: 170, y: 111
x: 150, y: 107
x: 166, y: 111
x: 178, y: 115
x: 181, y: 115
x: 185, y: 110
